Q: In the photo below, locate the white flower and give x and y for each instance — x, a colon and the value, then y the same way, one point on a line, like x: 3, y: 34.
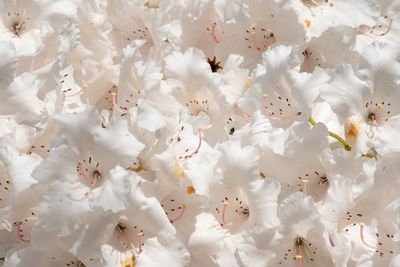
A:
x: 278, y: 89
x: 366, y: 101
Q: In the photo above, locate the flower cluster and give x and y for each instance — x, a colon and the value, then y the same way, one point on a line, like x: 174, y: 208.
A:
x: 199, y: 133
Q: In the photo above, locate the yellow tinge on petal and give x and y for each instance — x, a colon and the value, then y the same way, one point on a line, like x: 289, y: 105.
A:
x: 352, y: 130
x: 178, y: 171
x: 152, y: 4
x: 129, y: 262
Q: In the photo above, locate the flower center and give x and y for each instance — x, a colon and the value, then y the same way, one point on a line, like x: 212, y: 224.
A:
x: 259, y: 38
x: 122, y: 229
x: 302, y: 251
x: 196, y: 105
x: 173, y: 209
x: 313, y: 183
x: 280, y: 108
x: 232, y: 212
x: 90, y: 170
x: 378, y: 112
x: 17, y: 21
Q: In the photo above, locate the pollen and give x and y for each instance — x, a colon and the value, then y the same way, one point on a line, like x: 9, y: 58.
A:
x: 308, y: 23
x: 191, y: 190
x: 129, y: 262
x: 178, y: 171
x: 248, y: 81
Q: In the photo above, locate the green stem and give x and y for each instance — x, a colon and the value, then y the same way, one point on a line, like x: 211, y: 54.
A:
x: 138, y: 169
x: 341, y: 140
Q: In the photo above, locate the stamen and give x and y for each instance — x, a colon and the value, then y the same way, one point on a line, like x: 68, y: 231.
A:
x: 22, y: 22
x: 198, y: 147
x: 272, y: 117
x: 180, y: 215
x: 307, y: 60
x: 255, y: 42
x: 196, y: 102
x: 299, y: 258
x: 266, y: 110
x: 115, y: 105
x: 388, y: 29
x: 368, y: 245
x: 129, y: 240
x: 84, y: 86
x: 226, y: 203
x: 378, y: 122
x: 110, y: 10
x: 140, y: 235
x: 315, y: 3
x: 213, y: 33
x: 18, y: 224
x: 123, y: 39
x: 242, y: 112
x: 82, y: 172
x: 304, y: 181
